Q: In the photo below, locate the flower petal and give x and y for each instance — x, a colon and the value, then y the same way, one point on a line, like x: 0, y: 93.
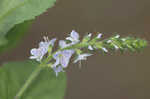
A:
x: 52, y: 41
x: 74, y: 35
x: 104, y: 49
x: 62, y: 44
x: 55, y: 56
x: 65, y: 58
x: 33, y: 51
x: 90, y: 47
x: 32, y: 57
x: 99, y: 35
x: 82, y: 57
x: 58, y: 69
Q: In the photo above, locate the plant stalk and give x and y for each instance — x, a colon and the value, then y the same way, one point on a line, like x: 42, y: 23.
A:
x: 34, y: 74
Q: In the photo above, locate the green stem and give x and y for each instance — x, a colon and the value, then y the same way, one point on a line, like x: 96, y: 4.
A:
x: 34, y: 74
x: 37, y: 71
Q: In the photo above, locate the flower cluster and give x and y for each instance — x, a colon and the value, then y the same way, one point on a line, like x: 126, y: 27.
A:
x: 72, y: 45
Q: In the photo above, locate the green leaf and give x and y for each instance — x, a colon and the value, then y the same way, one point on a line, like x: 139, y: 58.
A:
x: 3, y: 41
x: 46, y: 86
x: 15, y: 35
x: 14, y: 12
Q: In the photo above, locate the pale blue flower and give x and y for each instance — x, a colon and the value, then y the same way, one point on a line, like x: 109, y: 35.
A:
x: 38, y: 53
x: 74, y: 37
x: 99, y: 35
x: 63, y: 44
x: 62, y: 58
x: 58, y: 69
x: 46, y: 43
x: 82, y: 57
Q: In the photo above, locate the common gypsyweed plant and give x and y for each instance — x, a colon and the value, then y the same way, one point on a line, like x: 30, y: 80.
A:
x: 75, y: 46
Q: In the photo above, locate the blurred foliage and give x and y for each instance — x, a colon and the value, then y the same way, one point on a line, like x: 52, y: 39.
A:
x: 14, y: 12
x: 15, y: 35
x: 46, y: 86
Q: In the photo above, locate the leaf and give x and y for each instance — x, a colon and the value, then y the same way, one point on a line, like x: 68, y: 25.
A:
x: 14, y: 12
x: 46, y: 86
x: 15, y: 35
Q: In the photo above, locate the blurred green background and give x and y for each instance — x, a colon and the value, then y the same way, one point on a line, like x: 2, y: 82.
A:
x: 112, y: 76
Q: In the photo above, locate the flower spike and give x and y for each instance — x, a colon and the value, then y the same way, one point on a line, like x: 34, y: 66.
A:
x: 61, y: 57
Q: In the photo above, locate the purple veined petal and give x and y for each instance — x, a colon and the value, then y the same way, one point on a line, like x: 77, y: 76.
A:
x: 58, y: 69
x: 56, y: 55
x: 74, y: 35
x: 99, y: 35
x: 65, y: 57
x: 64, y: 61
x: 56, y: 63
x: 38, y: 53
x: 34, y: 51
x: 62, y: 44
x: 41, y: 53
x: 41, y: 57
x: 43, y: 50
x: 41, y: 44
x: 47, y: 43
x: 90, y: 47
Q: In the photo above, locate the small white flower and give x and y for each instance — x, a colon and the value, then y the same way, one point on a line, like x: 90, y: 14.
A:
x: 62, y: 58
x: 38, y: 53
x: 123, y: 39
x: 117, y: 36
x: 90, y: 34
x: 99, y: 35
x: 90, y: 47
x: 74, y: 37
x: 109, y: 41
x: 116, y: 47
x: 82, y: 57
x: 104, y: 49
x: 46, y: 43
x: 63, y: 44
